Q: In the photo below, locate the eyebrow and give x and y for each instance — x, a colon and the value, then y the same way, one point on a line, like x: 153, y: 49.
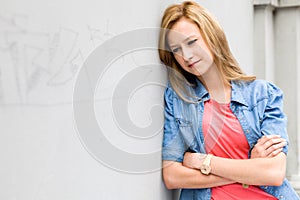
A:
x: 188, y: 38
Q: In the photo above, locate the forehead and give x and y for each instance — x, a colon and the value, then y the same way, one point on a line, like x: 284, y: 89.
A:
x: 182, y: 29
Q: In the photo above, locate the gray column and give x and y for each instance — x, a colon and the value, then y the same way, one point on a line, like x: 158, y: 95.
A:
x: 287, y: 65
x: 276, y: 54
x: 263, y: 42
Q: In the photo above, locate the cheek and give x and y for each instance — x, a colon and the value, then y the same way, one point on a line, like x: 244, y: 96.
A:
x: 208, y: 53
x: 205, y: 50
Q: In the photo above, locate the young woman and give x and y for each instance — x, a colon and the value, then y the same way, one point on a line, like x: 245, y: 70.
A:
x: 225, y: 132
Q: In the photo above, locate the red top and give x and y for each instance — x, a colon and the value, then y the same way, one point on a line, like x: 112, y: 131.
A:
x: 224, y: 137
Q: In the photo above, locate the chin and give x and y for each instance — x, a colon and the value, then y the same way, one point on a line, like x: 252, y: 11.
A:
x: 196, y: 73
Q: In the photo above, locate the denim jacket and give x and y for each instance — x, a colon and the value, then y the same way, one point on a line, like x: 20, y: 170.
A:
x: 258, y: 107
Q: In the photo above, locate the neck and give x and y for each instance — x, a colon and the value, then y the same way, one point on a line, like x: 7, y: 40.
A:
x: 216, y: 86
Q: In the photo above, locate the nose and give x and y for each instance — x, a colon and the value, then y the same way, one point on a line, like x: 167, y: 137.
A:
x: 187, y: 54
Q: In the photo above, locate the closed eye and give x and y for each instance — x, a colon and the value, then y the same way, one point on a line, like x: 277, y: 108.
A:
x: 191, y: 42
x: 176, y: 50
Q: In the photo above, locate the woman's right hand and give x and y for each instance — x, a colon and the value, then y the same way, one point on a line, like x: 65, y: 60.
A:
x: 268, y: 146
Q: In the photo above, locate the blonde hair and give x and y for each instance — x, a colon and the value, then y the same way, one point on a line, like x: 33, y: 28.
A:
x: 215, y: 39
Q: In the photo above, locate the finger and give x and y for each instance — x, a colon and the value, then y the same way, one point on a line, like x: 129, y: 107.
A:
x: 272, y: 141
x: 265, y: 149
x: 272, y: 149
x: 275, y: 153
x: 282, y: 143
x: 275, y: 147
x: 265, y: 138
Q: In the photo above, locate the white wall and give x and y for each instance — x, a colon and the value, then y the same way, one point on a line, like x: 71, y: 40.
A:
x: 43, y: 46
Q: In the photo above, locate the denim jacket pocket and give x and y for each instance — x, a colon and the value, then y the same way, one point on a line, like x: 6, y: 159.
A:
x: 183, y: 122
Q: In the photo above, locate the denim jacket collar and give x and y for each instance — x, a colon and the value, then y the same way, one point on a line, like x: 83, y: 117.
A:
x: 236, y: 94
x: 200, y: 90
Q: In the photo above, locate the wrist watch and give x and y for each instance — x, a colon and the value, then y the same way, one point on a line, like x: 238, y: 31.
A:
x: 205, y: 167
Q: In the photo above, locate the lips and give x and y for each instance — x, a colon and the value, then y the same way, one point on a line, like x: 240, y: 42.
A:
x: 192, y: 64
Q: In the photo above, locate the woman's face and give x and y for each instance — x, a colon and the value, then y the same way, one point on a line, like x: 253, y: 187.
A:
x: 189, y: 48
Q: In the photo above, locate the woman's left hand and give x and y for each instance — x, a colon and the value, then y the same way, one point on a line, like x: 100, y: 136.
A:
x: 268, y: 146
x: 193, y: 160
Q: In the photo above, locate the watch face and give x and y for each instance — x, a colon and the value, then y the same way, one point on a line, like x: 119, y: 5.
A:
x: 205, y: 169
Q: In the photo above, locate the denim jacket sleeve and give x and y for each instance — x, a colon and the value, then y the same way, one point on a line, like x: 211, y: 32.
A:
x: 274, y: 120
x: 173, y: 145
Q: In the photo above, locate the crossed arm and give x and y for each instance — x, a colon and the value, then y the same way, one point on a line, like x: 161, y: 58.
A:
x: 267, y: 166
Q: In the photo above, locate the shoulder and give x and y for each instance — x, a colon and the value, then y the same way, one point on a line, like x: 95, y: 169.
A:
x: 255, y: 84
x: 259, y: 87
x: 251, y: 93
x: 170, y: 96
x: 169, y: 92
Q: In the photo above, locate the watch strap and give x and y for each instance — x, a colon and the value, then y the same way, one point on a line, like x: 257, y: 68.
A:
x: 207, y: 159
